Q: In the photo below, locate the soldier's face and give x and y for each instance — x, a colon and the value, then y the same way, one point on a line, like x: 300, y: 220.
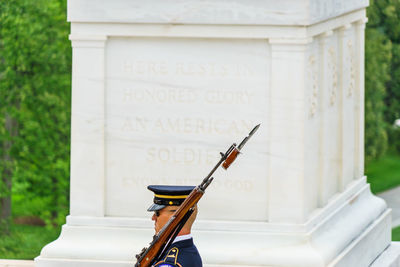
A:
x: 162, y: 216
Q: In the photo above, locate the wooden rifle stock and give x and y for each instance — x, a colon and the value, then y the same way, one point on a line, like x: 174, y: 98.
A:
x: 164, y: 238
x: 231, y: 158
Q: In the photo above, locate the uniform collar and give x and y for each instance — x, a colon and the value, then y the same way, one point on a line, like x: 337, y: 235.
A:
x: 182, y: 237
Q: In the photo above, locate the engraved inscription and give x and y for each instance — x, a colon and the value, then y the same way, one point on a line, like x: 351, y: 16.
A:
x: 187, y: 125
x: 159, y: 95
x: 179, y: 155
x: 209, y: 69
x: 172, y: 104
x: 186, y: 95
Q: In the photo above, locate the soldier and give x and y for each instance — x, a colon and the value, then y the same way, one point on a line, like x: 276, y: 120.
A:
x: 167, y: 199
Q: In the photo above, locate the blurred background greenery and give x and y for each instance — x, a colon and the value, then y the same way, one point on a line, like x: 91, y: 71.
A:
x: 35, y: 101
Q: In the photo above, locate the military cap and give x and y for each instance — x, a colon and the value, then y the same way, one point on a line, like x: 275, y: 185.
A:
x: 168, y: 195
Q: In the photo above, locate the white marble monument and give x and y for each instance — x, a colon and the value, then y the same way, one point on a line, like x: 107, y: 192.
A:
x: 160, y: 87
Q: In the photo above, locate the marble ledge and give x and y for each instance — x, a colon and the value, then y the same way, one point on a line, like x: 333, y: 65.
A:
x: 16, y: 263
x: 315, y: 219
x: 390, y: 257
x: 97, y: 30
x: 268, y: 12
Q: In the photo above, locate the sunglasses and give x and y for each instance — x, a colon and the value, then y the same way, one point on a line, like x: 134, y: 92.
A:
x: 157, y: 212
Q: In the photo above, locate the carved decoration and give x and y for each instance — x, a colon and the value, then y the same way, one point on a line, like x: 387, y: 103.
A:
x: 313, y: 79
x: 351, y: 61
x: 332, y: 73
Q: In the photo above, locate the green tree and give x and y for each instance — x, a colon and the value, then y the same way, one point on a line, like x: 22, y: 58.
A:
x: 35, y: 74
x: 6, y: 169
x: 377, y: 57
x: 9, y: 103
x: 382, y: 77
x: 390, y: 15
x: 384, y: 17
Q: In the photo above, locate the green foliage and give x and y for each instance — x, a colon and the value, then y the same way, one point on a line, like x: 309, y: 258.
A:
x: 377, y: 57
x: 393, y: 90
x: 26, y: 241
x: 392, y: 29
x: 396, y: 234
x: 382, y: 77
x: 384, y: 173
x: 384, y: 17
x: 35, y: 75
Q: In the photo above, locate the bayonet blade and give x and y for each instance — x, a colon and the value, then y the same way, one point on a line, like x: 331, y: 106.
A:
x: 248, y: 137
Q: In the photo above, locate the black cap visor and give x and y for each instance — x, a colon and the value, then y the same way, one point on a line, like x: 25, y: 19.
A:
x: 155, y: 207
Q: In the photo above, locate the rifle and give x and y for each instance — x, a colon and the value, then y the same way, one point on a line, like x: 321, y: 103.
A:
x: 164, y: 238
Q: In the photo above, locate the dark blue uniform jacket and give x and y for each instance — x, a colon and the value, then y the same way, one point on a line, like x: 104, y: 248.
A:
x: 181, y: 254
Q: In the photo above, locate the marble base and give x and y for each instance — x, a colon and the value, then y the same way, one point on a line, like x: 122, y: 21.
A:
x: 390, y: 257
x: 16, y: 263
x: 352, y: 230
